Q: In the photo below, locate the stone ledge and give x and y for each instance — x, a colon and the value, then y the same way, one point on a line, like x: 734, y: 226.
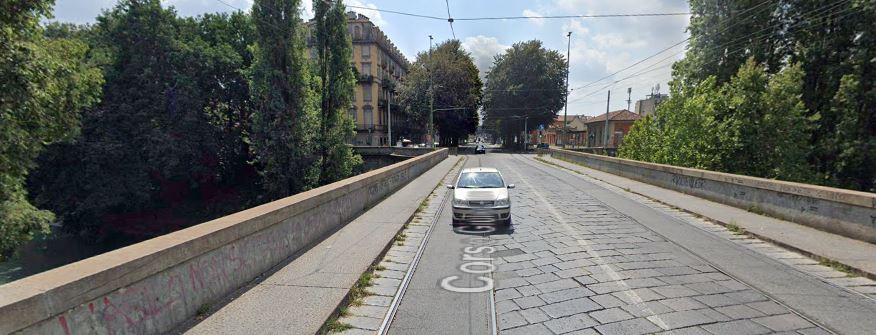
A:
x: 843, y: 212
x: 203, y: 252
x: 857, y: 198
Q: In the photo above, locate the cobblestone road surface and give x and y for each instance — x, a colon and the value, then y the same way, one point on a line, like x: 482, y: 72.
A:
x: 581, y: 267
x: 584, y: 258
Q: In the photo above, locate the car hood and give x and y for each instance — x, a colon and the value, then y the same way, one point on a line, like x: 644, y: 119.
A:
x: 480, y: 193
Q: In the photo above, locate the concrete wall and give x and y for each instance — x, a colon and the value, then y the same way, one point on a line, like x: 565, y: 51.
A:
x: 378, y: 157
x: 843, y: 212
x: 396, y: 151
x: 150, y: 287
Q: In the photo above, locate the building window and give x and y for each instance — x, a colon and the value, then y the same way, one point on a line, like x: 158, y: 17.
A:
x: 366, y: 51
x: 353, y: 114
x: 369, y: 116
x: 366, y: 92
x: 366, y: 68
x: 357, y: 33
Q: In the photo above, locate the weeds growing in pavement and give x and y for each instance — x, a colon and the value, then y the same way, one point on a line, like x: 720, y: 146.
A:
x: 735, y: 229
x: 848, y: 270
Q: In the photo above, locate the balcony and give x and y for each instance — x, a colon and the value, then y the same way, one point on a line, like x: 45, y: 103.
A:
x: 365, y: 78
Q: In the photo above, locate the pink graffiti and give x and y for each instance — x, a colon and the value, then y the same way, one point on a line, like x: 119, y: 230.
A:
x: 207, y: 277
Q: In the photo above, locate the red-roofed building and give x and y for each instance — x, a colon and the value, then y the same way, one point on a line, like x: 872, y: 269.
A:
x: 553, y: 132
x: 619, y: 123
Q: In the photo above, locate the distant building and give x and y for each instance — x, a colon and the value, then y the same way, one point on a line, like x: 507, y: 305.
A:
x: 553, y: 133
x: 619, y: 123
x: 649, y: 105
x: 380, y: 67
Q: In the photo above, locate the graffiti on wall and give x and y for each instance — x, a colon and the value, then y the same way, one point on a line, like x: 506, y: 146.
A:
x: 688, y: 181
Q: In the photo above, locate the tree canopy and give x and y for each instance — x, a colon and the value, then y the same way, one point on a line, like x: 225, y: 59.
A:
x: 44, y: 82
x: 525, y: 86
x: 197, y: 117
x: 787, y: 87
x: 457, y: 92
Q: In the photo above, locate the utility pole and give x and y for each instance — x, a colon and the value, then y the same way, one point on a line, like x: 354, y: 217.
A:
x: 566, y: 111
x: 431, y: 99
x: 525, y: 133
x: 607, y: 104
x: 629, y: 96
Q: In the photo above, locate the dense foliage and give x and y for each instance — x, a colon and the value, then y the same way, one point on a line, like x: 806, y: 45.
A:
x: 182, y: 119
x: 783, y: 89
x: 457, y: 93
x: 44, y: 82
x: 525, y: 87
x: 285, y: 121
x: 333, y: 53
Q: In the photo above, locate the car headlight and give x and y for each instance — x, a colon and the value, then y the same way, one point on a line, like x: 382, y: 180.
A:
x: 460, y: 203
x: 503, y: 202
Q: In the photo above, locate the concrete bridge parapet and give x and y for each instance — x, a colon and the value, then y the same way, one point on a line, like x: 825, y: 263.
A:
x: 839, y: 211
x: 151, y: 287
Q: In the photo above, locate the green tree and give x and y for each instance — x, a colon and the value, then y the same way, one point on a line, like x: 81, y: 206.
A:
x: 285, y: 122
x: 333, y: 56
x: 458, y: 92
x: 151, y: 152
x: 725, y: 34
x: 853, y: 141
x: 752, y: 124
x: 43, y: 85
x: 526, y: 85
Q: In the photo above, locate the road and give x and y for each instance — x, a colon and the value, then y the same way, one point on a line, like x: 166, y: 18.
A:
x: 583, y: 259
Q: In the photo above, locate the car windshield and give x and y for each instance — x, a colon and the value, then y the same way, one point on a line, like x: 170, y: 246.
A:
x: 480, y: 180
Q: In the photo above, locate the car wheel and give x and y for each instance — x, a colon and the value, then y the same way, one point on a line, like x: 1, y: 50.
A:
x: 456, y: 223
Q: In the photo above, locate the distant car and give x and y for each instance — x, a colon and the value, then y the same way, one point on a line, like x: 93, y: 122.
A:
x: 480, y: 149
x: 480, y: 196
x: 543, y: 146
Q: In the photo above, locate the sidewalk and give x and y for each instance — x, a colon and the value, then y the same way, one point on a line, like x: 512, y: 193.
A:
x: 859, y: 255
x: 299, y: 297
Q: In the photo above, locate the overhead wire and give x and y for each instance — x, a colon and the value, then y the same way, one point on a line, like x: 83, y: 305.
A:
x: 670, y: 47
x: 811, y: 23
x: 450, y: 18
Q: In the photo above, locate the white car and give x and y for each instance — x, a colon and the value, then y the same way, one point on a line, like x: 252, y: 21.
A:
x: 480, y: 196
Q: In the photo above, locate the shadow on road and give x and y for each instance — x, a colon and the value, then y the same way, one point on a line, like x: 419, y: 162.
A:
x: 484, y: 230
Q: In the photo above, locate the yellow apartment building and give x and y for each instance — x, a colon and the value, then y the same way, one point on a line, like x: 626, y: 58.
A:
x: 380, y: 66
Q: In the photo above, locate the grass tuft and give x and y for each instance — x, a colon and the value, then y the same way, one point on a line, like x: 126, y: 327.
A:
x: 756, y: 210
x: 203, y: 310
x: 735, y: 229
x: 849, y: 271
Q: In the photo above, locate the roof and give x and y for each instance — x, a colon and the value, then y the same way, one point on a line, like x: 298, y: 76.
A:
x: 479, y: 169
x: 620, y: 115
x: 559, y: 118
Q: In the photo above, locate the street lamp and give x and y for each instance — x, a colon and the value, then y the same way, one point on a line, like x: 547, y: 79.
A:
x: 566, y: 112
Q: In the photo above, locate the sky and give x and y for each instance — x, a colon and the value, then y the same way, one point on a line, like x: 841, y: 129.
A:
x: 599, y: 46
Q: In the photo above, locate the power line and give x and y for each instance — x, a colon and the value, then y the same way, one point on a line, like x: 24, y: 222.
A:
x: 398, y: 13
x: 672, y: 46
x: 522, y: 17
x: 450, y: 18
x: 812, y: 23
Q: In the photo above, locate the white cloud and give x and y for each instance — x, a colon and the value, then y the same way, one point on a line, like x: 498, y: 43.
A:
x: 483, y: 49
x: 617, y: 40
x: 577, y: 28
x: 372, y: 14
x: 537, y: 21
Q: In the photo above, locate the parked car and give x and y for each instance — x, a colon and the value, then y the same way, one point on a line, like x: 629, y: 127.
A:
x: 543, y: 146
x: 480, y: 196
x: 480, y: 149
